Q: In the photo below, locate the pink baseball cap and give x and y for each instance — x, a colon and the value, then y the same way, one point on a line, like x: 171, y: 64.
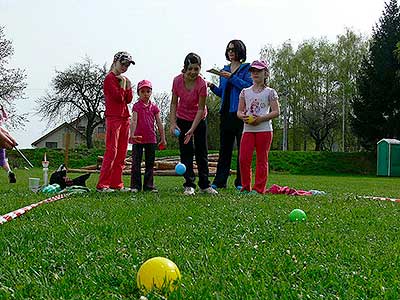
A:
x: 259, y: 64
x: 144, y: 83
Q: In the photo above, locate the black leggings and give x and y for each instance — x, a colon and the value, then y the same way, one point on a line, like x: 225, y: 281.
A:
x: 136, y: 177
x: 199, y: 147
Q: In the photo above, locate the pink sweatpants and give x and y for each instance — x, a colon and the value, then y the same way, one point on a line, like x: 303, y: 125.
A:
x: 261, y: 141
x: 117, y: 134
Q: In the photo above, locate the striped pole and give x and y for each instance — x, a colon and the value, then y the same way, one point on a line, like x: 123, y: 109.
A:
x: 19, y: 212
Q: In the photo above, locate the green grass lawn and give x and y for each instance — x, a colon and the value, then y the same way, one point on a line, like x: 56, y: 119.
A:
x: 231, y: 246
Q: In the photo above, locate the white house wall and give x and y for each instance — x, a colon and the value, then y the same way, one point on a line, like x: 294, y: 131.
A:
x: 59, y: 138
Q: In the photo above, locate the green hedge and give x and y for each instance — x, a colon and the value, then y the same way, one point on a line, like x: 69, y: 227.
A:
x: 310, y: 162
x: 292, y: 162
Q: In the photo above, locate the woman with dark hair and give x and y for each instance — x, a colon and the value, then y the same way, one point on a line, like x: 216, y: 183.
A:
x: 233, y: 78
x: 188, y: 113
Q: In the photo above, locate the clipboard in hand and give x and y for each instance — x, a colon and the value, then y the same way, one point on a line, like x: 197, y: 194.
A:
x: 214, y: 71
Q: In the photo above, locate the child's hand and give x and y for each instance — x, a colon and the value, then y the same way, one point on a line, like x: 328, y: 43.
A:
x: 188, y: 136
x: 248, y: 119
x: 226, y: 74
x: 241, y: 115
x: 135, y: 139
x: 162, y: 145
x: 122, y: 81
x: 128, y: 83
x: 173, y: 128
x: 252, y: 120
x: 256, y: 120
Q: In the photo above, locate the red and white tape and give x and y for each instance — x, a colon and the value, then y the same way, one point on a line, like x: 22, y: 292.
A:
x: 381, y: 198
x: 16, y: 213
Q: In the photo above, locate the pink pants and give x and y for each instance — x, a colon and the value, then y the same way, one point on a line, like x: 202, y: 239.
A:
x: 117, y: 134
x: 261, y: 141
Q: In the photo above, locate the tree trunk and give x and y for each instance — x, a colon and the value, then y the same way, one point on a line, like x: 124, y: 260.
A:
x: 89, y: 137
x: 318, y: 145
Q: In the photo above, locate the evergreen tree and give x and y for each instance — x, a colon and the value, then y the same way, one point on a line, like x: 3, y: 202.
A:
x: 377, y: 109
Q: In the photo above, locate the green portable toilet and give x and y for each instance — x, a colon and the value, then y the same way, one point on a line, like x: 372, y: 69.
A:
x: 388, y: 160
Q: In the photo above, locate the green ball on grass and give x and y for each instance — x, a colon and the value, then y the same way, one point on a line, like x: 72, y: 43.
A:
x: 297, y: 215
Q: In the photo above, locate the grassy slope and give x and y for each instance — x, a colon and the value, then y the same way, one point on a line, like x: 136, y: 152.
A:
x: 227, y: 247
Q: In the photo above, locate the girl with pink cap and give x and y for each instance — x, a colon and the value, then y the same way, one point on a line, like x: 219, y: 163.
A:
x: 143, y: 137
x: 258, y: 105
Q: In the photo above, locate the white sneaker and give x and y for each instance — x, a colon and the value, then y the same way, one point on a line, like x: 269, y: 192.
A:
x: 189, y: 191
x: 105, y: 190
x: 133, y: 190
x: 209, y: 190
x: 124, y: 190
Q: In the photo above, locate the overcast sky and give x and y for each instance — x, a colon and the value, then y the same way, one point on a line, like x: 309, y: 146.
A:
x: 49, y: 35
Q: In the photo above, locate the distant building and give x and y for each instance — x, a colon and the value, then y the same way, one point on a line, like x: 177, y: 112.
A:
x: 73, y: 131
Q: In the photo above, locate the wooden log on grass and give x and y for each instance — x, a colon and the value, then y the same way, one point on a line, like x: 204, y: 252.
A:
x: 212, y: 172
x: 163, y: 166
x: 91, y: 167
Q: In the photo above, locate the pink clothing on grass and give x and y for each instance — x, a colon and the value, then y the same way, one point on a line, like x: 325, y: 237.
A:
x: 261, y: 141
x: 146, y: 118
x: 276, y: 189
x: 188, y: 108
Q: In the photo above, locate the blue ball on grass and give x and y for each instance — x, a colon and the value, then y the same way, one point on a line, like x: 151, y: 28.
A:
x: 180, y: 169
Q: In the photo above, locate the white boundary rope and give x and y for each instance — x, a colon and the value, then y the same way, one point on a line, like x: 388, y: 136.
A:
x: 381, y: 198
x: 16, y: 213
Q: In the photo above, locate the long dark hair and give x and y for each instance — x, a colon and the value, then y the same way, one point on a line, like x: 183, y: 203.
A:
x: 240, y: 50
x: 191, y: 58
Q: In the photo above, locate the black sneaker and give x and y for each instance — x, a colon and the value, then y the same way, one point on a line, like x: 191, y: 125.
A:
x: 11, y: 177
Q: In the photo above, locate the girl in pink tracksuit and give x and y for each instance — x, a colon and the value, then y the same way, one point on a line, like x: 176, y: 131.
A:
x: 118, y: 94
x: 258, y: 105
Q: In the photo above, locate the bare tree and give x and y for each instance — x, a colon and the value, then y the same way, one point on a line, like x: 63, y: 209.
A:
x: 76, y: 92
x: 163, y: 101
x: 12, y: 83
x: 320, y: 118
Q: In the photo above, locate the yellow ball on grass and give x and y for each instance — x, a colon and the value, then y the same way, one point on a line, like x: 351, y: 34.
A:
x: 159, y: 273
